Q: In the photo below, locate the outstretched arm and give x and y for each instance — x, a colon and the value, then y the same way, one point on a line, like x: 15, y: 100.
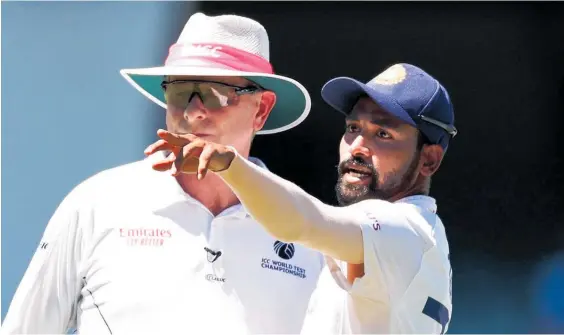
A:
x: 290, y: 214
x: 286, y: 211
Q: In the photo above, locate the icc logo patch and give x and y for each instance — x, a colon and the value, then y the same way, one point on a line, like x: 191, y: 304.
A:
x: 284, y: 250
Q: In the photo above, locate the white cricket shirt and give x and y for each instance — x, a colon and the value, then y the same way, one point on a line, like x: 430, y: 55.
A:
x: 128, y: 251
x: 406, y: 288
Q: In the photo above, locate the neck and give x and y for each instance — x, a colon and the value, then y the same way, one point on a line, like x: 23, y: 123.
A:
x: 211, y: 191
x: 419, y: 187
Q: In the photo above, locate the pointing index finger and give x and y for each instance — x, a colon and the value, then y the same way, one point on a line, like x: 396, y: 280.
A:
x: 175, y: 139
x: 160, y: 145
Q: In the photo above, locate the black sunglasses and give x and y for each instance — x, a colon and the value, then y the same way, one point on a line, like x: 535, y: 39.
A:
x: 214, y: 95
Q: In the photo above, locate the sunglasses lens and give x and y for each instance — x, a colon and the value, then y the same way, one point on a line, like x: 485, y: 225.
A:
x: 179, y: 94
x: 217, y: 96
x: 213, y: 95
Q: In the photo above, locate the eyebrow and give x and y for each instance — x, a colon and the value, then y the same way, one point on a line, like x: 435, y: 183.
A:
x: 379, y: 120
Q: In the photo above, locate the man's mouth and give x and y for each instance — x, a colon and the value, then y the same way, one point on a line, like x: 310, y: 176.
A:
x: 357, y: 174
x: 193, y: 133
x: 357, y: 171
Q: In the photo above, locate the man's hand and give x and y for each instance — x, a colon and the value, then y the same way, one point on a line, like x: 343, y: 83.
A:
x: 190, y: 154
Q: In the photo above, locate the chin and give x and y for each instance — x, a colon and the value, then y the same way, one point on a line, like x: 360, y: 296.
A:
x: 348, y: 194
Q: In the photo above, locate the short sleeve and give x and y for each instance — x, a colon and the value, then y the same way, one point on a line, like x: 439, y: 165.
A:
x: 394, y: 243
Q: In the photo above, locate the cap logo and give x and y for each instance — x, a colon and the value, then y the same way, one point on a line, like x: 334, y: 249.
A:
x: 393, y: 75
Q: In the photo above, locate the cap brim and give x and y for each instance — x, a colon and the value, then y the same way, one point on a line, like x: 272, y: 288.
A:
x: 293, y: 102
x: 343, y: 92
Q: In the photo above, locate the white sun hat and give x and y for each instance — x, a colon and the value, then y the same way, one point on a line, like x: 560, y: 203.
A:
x: 226, y: 45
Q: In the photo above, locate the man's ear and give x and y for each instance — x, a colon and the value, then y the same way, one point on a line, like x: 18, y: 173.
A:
x: 266, y: 104
x: 431, y: 158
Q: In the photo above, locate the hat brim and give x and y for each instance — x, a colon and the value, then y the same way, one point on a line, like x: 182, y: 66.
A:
x: 292, y: 106
x: 343, y: 92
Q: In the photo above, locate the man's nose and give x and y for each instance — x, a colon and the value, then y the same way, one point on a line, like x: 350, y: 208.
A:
x: 195, y: 109
x: 358, y: 147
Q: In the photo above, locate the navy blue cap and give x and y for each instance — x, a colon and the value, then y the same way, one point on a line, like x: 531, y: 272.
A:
x: 405, y: 91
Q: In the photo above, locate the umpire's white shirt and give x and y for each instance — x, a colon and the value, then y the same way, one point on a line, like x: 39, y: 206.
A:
x: 407, y: 283
x: 125, y: 253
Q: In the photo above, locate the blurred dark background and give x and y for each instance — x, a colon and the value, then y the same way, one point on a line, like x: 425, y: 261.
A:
x: 499, y: 190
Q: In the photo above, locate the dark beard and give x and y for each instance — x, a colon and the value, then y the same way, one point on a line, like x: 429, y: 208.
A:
x: 348, y: 194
